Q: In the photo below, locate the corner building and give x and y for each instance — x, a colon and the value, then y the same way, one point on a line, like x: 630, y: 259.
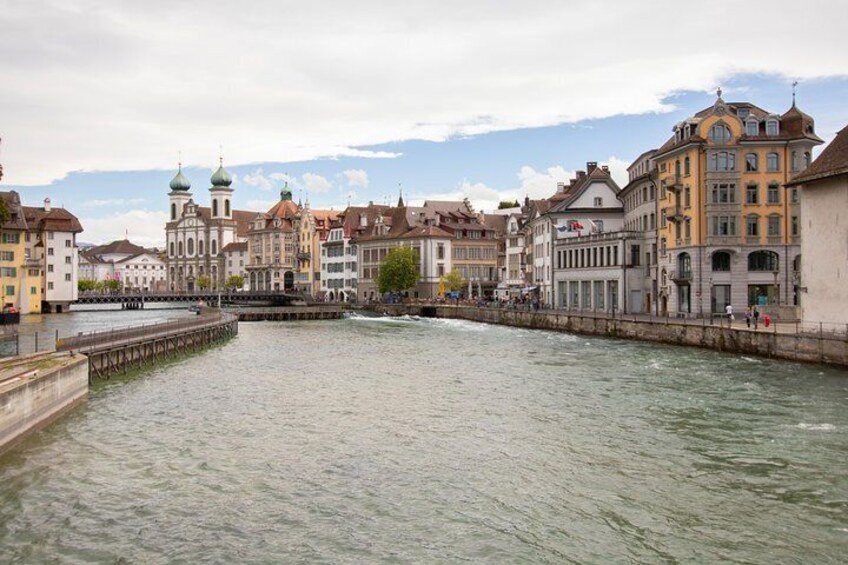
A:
x: 729, y: 229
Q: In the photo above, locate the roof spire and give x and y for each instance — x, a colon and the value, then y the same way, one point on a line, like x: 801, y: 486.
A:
x: 794, y: 84
x: 400, y: 196
x: 220, y: 155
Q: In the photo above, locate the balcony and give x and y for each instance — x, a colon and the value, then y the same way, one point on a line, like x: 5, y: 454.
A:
x: 680, y: 277
x: 673, y: 213
x: 304, y: 255
x: 672, y: 183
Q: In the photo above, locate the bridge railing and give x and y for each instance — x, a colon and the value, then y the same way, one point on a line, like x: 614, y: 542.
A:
x: 95, y: 339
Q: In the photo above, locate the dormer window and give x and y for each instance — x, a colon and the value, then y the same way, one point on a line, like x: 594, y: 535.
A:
x: 743, y: 113
x: 772, y: 127
x: 599, y: 202
x: 687, y: 131
x: 752, y: 127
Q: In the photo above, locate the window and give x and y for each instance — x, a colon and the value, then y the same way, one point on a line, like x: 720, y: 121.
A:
x: 49, y: 286
x: 724, y: 226
x: 214, y: 208
x: 773, y: 194
x: 68, y: 277
x: 687, y: 197
x: 173, y: 211
x: 190, y: 246
x: 807, y: 159
x: 200, y: 247
x: 751, y: 164
x: 50, y: 251
x: 599, y: 202
x: 772, y: 162
x: 214, y: 247
x: 171, y: 249
x: 794, y: 161
x: 752, y: 127
x: 721, y: 261
x: 794, y: 196
x: 10, y: 290
x: 720, y: 133
x: 67, y: 260
x: 763, y: 261
x: 687, y: 231
x: 227, y: 207
x: 796, y: 226
x: 771, y: 127
x: 686, y: 166
x: 634, y: 255
x: 684, y: 266
x: 440, y: 251
x: 752, y: 226
x: 723, y: 161
x: 49, y: 268
x: 774, y: 226
x: 7, y: 255
x: 33, y: 290
x: 180, y: 247
x: 752, y: 194
x: 724, y: 193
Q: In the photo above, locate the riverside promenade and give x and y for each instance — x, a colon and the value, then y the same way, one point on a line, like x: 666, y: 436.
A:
x: 788, y: 340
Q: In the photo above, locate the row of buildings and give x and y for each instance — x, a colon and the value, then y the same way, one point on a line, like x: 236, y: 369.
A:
x: 710, y: 218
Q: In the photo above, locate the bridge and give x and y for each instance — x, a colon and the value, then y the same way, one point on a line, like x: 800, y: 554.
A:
x: 135, y: 300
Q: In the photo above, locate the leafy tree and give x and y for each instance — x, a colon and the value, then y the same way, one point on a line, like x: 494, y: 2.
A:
x: 453, y: 281
x: 203, y: 282
x: 86, y: 285
x: 507, y: 204
x: 398, y: 271
x: 112, y: 285
x: 235, y: 282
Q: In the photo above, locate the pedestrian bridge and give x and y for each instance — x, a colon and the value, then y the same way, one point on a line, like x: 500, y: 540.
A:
x: 134, y: 300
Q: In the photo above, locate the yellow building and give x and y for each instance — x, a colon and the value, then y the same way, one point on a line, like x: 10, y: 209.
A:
x: 20, y: 276
x: 313, y: 227
x: 729, y: 230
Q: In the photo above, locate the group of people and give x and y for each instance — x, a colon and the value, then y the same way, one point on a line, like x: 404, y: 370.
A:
x: 752, y: 314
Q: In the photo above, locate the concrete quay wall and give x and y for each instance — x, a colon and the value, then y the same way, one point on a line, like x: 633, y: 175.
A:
x: 763, y: 343
x: 42, y: 392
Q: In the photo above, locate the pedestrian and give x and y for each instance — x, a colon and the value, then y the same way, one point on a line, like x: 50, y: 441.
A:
x: 756, y: 312
x: 748, y: 316
x: 729, y: 311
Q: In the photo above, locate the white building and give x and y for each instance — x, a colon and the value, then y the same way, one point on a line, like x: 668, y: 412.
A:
x: 196, y: 234
x: 133, y: 266
x: 823, y: 281
x: 51, y: 241
x: 235, y: 261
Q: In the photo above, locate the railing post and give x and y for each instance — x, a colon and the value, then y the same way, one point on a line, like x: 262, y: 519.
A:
x: 36, y: 342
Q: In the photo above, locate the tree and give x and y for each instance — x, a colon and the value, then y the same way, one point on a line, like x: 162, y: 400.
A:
x: 507, y: 204
x: 86, y: 285
x: 203, y: 282
x: 453, y: 281
x: 235, y: 282
x: 398, y: 271
x: 112, y: 285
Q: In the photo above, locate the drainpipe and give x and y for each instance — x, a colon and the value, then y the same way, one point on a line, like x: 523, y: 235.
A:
x: 624, y: 277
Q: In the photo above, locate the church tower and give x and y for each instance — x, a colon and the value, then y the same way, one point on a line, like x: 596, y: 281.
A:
x: 221, y: 193
x: 179, y: 194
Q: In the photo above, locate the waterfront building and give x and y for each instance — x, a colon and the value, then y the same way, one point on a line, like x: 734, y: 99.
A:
x: 52, y: 249
x: 20, y: 275
x: 729, y: 230
x: 313, y: 228
x: 587, y: 257
x: 823, y: 280
x: 639, y: 198
x: 235, y: 256
x: 196, y: 234
x: 538, y: 237
x: 272, y: 244
x: 339, y: 266
x: 512, y: 279
x: 133, y: 266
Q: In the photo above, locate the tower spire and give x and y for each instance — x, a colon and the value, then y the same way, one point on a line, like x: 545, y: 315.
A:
x: 794, y: 84
x: 400, y: 196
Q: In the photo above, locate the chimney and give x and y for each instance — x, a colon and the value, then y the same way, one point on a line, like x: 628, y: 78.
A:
x: 605, y: 168
x: 560, y: 187
x: 581, y: 175
x: 47, y: 204
x: 591, y: 166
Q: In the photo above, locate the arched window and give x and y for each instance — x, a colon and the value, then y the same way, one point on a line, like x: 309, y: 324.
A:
x: 796, y: 264
x: 752, y: 226
x: 772, y: 162
x: 214, y: 247
x: 173, y: 210
x: 686, y: 166
x: 190, y: 246
x: 807, y: 159
x: 720, y: 133
x: 684, y: 266
x: 215, y: 208
x: 171, y: 247
x: 793, y: 163
x: 677, y: 168
x: 200, y: 247
x: 751, y: 163
x: 721, y: 261
x: 227, y: 207
x: 180, y: 248
x: 763, y: 261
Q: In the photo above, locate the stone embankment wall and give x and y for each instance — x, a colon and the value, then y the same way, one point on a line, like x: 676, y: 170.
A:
x: 44, y: 388
x: 764, y: 343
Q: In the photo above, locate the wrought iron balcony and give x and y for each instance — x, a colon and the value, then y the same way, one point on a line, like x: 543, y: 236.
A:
x: 680, y: 277
x: 304, y: 255
x: 672, y: 183
x: 674, y: 213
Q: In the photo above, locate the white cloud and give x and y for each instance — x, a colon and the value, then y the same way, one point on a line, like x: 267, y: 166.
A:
x: 142, y: 227
x: 411, y: 73
x: 96, y: 203
x: 315, y: 183
x: 258, y: 179
x: 356, y: 177
x: 618, y: 170
x: 541, y: 184
x: 260, y: 205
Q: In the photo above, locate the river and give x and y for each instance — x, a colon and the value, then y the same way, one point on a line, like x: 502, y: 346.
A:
x: 399, y: 440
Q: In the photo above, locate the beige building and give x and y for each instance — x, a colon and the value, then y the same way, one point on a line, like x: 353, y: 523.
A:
x: 823, y: 280
x: 271, y: 246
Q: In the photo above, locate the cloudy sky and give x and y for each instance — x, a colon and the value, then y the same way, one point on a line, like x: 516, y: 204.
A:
x: 486, y: 99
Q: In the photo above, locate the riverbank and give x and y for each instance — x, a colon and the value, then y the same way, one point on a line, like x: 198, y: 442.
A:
x: 780, y: 345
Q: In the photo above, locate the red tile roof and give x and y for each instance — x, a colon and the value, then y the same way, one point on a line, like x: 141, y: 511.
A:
x: 832, y: 162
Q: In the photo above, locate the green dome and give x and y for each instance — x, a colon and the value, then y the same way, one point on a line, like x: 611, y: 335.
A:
x: 180, y: 182
x: 221, y: 177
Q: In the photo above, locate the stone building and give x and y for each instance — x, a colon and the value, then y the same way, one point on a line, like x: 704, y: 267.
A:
x: 272, y: 245
x: 133, y: 266
x: 729, y: 231
x: 639, y: 198
x: 196, y: 234
x: 21, y: 274
x: 823, y: 277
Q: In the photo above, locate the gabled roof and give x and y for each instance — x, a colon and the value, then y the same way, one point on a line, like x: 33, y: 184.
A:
x: 57, y: 219
x: 234, y: 246
x: 17, y: 218
x: 832, y: 162
x: 119, y: 246
x: 598, y: 174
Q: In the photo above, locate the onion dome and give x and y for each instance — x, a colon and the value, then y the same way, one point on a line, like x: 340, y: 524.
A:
x: 180, y: 182
x: 221, y: 178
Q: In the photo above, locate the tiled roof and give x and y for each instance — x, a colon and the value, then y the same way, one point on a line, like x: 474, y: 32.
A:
x: 241, y: 217
x: 57, y: 219
x: 832, y: 162
x: 17, y: 218
x: 234, y: 246
x: 120, y: 246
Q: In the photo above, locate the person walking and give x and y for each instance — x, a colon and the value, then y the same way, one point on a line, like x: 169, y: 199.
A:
x: 748, y: 316
x: 729, y: 311
x: 756, y: 313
